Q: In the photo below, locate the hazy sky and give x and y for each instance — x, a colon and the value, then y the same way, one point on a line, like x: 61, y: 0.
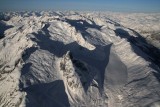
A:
x: 87, y: 5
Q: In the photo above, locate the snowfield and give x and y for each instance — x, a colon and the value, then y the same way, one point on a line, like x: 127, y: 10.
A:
x: 78, y: 59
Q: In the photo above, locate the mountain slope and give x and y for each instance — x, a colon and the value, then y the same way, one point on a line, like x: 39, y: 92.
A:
x: 69, y: 59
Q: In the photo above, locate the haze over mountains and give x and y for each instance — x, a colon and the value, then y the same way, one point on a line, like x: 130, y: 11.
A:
x: 79, y: 59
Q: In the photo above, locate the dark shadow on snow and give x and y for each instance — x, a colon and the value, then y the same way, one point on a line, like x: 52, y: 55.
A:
x: 113, y: 22
x: 47, y: 95
x: 93, y: 58
x: 4, y: 17
x: 142, y: 48
x: 26, y: 68
x: 82, y: 26
x: 3, y: 27
x: 27, y: 53
x: 90, y: 57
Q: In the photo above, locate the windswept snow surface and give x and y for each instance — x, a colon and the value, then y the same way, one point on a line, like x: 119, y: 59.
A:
x: 70, y: 59
x: 148, y: 25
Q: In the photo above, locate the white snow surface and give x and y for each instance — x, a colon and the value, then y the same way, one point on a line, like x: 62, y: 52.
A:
x: 76, y: 59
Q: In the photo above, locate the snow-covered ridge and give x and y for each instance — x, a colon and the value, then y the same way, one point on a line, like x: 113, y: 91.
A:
x: 70, y: 59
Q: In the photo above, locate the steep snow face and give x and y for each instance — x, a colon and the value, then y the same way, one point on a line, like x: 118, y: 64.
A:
x: 148, y: 25
x: 69, y: 59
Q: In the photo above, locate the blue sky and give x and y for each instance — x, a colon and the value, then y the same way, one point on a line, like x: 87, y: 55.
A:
x: 87, y: 5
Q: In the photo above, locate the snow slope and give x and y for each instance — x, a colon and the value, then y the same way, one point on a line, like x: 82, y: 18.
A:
x: 147, y: 24
x: 70, y: 59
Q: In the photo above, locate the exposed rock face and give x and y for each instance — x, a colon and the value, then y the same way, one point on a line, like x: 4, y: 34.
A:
x: 55, y: 59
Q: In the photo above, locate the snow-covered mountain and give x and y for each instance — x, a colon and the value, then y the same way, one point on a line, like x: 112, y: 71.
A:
x: 70, y: 59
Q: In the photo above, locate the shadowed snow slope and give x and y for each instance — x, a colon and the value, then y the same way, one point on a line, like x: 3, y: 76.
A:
x: 69, y: 59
